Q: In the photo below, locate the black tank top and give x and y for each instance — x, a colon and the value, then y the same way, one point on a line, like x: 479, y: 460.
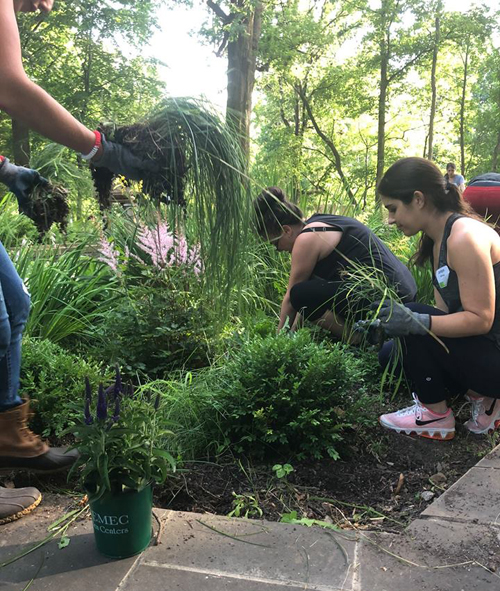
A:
x: 360, y: 245
x: 451, y: 291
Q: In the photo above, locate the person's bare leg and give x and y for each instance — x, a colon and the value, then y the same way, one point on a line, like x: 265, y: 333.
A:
x: 336, y: 325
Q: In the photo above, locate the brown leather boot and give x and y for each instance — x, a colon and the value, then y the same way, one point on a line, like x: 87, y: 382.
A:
x: 17, y: 502
x: 21, y: 449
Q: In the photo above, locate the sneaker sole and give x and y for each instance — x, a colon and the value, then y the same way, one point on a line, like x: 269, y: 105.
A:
x: 22, y: 513
x: 490, y: 429
x: 436, y: 434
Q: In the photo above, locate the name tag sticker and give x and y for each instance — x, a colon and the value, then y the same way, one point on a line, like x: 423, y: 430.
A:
x: 442, y: 276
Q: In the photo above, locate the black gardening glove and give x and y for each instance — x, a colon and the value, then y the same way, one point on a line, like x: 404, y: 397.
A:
x: 120, y: 160
x: 399, y: 321
x: 21, y: 181
x: 371, y: 331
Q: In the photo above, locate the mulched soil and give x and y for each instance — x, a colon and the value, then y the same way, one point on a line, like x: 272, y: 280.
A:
x: 381, y: 482
x: 378, y: 486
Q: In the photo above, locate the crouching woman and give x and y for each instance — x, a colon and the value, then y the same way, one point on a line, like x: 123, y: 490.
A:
x: 464, y: 254
x: 326, y: 250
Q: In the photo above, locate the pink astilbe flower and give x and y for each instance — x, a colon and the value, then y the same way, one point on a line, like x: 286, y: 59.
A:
x: 180, y: 255
x: 157, y: 243
x: 195, y: 261
x: 108, y: 254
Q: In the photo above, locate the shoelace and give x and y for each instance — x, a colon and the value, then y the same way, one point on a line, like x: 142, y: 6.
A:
x: 416, y: 409
x: 27, y: 432
x: 477, y: 408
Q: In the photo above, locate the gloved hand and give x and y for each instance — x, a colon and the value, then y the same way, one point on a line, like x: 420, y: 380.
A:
x: 120, y: 159
x: 371, y: 331
x: 21, y: 181
x: 399, y: 321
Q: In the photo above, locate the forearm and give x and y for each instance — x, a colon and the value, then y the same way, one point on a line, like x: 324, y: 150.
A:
x: 460, y: 324
x: 287, y: 311
x: 23, y: 100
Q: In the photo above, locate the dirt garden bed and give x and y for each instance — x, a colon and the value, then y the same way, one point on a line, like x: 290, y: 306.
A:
x: 385, y: 483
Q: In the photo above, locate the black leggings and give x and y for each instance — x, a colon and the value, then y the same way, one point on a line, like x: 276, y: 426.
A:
x: 472, y: 362
x: 314, y: 297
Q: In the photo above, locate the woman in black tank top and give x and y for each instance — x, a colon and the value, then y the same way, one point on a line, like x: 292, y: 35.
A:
x: 323, y: 248
x: 454, y: 347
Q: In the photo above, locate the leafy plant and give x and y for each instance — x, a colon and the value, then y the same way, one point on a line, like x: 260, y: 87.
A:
x: 162, y: 321
x: 282, y: 470
x: 70, y: 291
x: 52, y: 378
x: 245, y: 505
x: 120, y: 451
x: 287, y: 394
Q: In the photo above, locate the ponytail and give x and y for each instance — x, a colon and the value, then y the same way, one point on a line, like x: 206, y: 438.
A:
x: 273, y: 211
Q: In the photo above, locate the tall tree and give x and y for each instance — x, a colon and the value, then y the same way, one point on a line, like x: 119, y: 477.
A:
x: 472, y: 36
x: 435, y: 52
x: 397, y: 48
x: 238, y: 32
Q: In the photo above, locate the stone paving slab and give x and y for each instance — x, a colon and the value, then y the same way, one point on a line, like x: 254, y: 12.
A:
x: 492, y: 460
x: 379, y: 571
x: 475, y: 497
x: 78, y: 567
x: 258, y: 552
x: 149, y: 578
x: 456, y: 542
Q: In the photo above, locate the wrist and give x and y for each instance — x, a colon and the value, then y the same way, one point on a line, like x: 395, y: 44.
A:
x: 96, y: 149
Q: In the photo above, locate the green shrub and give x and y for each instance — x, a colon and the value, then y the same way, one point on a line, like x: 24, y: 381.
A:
x: 154, y: 330
x: 288, y: 394
x: 54, y: 380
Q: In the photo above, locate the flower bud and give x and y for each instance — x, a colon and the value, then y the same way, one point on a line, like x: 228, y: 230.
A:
x: 102, y: 405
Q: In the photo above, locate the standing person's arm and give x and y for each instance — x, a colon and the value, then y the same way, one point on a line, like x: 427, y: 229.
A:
x: 24, y: 100
x: 305, y: 255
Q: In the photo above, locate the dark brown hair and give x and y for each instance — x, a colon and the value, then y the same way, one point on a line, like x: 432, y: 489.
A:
x: 408, y: 175
x: 273, y: 211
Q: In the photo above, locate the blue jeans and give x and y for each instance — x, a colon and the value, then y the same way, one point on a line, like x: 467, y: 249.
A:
x: 14, y: 311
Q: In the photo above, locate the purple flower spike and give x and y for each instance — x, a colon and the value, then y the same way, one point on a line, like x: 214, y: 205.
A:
x: 102, y: 406
x: 116, y: 413
x: 157, y: 401
x: 88, y: 417
x: 88, y: 390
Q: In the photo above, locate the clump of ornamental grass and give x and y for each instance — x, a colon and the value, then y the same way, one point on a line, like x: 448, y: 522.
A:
x: 118, y: 440
x: 201, y: 171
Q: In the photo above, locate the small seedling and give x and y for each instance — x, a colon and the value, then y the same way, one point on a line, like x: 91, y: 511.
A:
x: 282, y: 470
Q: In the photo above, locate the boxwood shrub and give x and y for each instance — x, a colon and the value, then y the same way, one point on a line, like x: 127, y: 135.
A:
x: 288, y: 394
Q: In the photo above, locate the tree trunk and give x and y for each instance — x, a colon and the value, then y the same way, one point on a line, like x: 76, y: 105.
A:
x: 437, y: 35
x: 462, y: 109
x: 21, y: 143
x: 242, y: 54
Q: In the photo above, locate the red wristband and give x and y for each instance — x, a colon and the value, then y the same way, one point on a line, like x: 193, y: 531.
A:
x: 95, y: 149
x: 2, y: 158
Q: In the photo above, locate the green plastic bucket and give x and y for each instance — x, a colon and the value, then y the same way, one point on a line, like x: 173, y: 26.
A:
x: 122, y: 522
